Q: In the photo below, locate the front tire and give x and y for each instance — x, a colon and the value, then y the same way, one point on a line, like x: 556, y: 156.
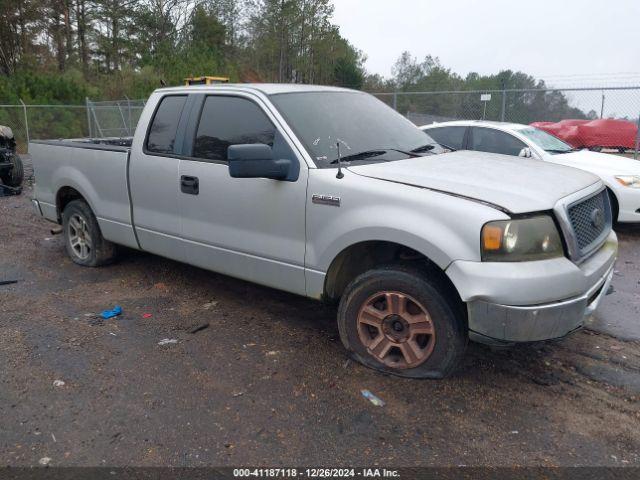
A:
x: 82, y: 236
x: 397, y: 320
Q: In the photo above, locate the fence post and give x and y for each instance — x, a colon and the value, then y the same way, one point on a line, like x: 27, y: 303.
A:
x: 635, y: 152
x: 129, y: 112
x: 504, y: 105
x: 86, y: 102
x: 395, y: 101
x: 26, y: 122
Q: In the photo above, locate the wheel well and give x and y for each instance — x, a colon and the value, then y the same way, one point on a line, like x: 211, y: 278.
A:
x: 359, y: 258
x: 63, y: 197
x: 615, y: 206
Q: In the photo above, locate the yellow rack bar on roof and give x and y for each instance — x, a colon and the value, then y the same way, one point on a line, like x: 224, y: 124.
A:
x: 205, y: 80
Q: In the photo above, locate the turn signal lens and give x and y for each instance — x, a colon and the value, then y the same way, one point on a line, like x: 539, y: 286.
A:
x: 491, y: 238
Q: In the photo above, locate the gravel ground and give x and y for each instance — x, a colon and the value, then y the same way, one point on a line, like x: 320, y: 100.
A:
x: 268, y: 381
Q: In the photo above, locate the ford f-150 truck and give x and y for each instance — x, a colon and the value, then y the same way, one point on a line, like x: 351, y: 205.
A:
x: 329, y: 193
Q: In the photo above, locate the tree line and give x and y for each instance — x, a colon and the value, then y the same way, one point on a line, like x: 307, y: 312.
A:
x: 534, y: 102
x: 63, y: 50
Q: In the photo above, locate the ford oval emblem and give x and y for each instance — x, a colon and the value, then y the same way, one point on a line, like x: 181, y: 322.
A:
x: 597, y: 218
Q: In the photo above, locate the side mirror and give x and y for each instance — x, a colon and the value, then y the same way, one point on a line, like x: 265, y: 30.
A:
x: 525, y: 152
x: 256, y: 161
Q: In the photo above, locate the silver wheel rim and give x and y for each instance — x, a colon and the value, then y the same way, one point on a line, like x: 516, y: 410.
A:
x: 79, y: 237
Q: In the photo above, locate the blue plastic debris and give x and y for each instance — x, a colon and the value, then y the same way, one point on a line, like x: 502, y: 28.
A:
x: 117, y: 310
x: 378, y: 402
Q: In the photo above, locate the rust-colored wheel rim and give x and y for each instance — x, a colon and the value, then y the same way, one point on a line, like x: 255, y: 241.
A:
x: 396, y: 329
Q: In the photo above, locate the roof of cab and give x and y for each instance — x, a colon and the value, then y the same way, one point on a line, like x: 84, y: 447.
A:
x: 265, y: 88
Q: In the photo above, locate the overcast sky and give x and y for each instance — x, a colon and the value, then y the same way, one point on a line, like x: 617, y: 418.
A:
x: 554, y: 40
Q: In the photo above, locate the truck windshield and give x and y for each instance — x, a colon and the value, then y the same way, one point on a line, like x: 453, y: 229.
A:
x: 357, y: 121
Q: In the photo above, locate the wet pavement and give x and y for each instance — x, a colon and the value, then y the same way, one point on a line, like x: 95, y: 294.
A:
x: 619, y: 313
x: 268, y: 382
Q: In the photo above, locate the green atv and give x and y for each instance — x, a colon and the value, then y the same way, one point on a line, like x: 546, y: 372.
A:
x: 11, y: 168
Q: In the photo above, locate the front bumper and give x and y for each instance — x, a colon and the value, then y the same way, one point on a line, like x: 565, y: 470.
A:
x: 491, y: 322
x: 532, y: 301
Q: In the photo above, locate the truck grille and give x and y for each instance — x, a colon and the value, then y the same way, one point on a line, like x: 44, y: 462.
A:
x: 591, y: 221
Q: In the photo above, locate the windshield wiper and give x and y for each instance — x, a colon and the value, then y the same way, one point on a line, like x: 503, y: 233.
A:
x: 430, y: 146
x: 369, y: 154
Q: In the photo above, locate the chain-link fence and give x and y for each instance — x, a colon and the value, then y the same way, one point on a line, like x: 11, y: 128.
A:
x: 44, y: 121
x: 117, y: 118
x: 574, y: 114
x: 93, y: 119
x: 579, y: 112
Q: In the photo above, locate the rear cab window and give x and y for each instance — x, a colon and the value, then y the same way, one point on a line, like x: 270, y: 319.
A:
x: 161, y: 137
x: 448, y: 136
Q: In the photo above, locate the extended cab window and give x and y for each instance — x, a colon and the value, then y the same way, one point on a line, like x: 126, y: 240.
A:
x: 448, y: 136
x: 162, y: 134
x: 227, y: 121
x: 494, y: 141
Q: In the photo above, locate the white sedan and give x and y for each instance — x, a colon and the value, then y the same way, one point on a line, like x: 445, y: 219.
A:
x: 620, y: 174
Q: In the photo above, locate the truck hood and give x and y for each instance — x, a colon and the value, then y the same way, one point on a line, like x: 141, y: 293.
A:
x: 515, y: 184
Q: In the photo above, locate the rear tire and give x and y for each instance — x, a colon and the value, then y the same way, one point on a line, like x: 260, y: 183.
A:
x: 399, y: 320
x: 16, y: 176
x: 82, y: 236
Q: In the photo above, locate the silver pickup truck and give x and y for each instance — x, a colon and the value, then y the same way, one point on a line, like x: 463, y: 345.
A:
x: 328, y: 193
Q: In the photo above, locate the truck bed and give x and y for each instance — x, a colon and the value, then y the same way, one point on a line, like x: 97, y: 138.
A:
x: 98, y: 171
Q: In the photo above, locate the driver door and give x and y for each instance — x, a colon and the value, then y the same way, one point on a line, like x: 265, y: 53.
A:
x: 250, y: 228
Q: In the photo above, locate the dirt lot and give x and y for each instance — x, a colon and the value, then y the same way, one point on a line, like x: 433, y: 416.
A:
x: 268, y: 382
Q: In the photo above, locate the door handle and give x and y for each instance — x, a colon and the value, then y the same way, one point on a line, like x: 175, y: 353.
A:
x: 189, y: 185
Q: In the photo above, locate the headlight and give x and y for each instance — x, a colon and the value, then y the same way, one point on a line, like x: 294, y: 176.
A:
x: 632, y: 181
x: 534, y: 238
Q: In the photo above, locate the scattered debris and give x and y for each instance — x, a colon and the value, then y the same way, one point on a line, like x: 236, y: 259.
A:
x: 53, y: 437
x: 207, y: 306
x: 58, y: 383
x: 44, y: 461
x: 56, y: 230
x: 111, y: 333
x: 346, y: 364
x: 107, y: 314
x: 167, y: 341
x: 514, y: 432
x: 199, y: 327
x: 616, y: 347
x: 372, y: 398
x: 238, y: 394
x: 8, y: 282
x: 272, y: 353
x: 147, y: 315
